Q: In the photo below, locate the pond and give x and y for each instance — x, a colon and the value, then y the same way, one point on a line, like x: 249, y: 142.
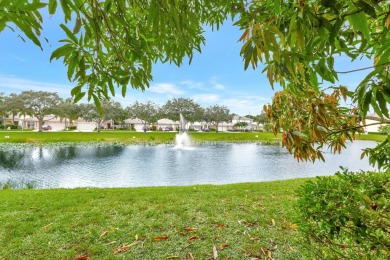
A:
x: 163, y: 165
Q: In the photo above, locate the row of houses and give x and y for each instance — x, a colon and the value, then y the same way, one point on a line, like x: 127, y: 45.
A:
x: 58, y: 124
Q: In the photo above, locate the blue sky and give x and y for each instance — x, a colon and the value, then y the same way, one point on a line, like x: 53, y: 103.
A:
x: 215, y: 76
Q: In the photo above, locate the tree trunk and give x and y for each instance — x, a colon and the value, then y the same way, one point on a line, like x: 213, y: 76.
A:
x: 40, y: 123
x: 216, y: 127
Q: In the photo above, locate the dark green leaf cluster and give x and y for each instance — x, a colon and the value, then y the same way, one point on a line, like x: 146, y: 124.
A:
x: 347, y: 216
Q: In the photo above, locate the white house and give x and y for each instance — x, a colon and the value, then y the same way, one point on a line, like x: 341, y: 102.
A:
x: 165, y: 122
x: 135, y: 123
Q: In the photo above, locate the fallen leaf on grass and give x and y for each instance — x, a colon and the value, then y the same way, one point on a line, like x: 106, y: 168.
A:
x: 221, y: 225
x: 273, y: 222
x: 161, y: 238
x: 108, y: 231
x: 215, y: 253
x: 124, y: 247
x: 193, y: 238
x: 189, y: 230
x: 293, y: 226
x: 82, y: 257
x: 248, y: 224
x: 223, y: 246
x: 254, y: 238
x: 172, y: 257
x: 48, y: 225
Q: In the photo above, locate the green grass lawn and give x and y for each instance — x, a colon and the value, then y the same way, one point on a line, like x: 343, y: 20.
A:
x: 144, y: 138
x: 129, y: 137
x: 242, y: 221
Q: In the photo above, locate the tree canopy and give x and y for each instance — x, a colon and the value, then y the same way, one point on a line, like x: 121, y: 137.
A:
x: 115, y: 44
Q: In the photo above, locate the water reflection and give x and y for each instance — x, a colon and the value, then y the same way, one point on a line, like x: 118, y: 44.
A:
x: 120, y: 166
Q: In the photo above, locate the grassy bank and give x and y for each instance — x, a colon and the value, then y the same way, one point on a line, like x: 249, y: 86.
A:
x: 142, y: 138
x: 243, y: 221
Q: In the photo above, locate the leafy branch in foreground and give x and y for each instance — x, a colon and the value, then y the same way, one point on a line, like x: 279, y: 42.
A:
x: 299, y: 42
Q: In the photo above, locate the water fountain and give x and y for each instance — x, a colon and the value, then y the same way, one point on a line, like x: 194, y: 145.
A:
x: 182, y: 138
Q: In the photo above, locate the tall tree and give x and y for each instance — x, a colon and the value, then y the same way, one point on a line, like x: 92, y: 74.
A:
x: 146, y: 112
x: 13, y: 105
x: 39, y: 104
x: 191, y: 111
x: 217, y: 114
x: 68, y: 110
x: 3, y: 109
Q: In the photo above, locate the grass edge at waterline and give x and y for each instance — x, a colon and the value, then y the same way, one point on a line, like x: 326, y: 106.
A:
x: 151, y: 138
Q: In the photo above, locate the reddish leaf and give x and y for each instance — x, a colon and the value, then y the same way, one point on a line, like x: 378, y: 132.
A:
x: 221, y: 225
x: 82, y: 257
x: 161, y: 238
x: 223, y: 246
x: 193, y: 238
x: 189, y: 230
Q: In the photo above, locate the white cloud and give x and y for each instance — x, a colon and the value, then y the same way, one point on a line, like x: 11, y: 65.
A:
x: 243, y: 106
x: 165, y: 88
x: 19, y: 84
x: 193, y: 84
x: 206, y: 98
x: 219, y: 86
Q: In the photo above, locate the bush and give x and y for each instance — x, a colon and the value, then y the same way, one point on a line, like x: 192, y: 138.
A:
x: 212, y: 129
x: 347, y: 216
x: 72, y: 127
x: 11, y: 126
x: 153, y: 128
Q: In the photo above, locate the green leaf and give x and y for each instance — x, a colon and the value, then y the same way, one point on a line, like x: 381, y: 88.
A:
x: 65, y: 50
x: 98, y: 105
x: 366, y: 102
x: 367, y: 8
x: 360, y: 24
x: 79, y: 96
x: 77, y: 26
x: 70, y: 35
x: 111, y: 87
x: 375, y: 106
x: 382, y: 103
x: 27, y: 30
x: 66, y: 9
x: 335, y: 30
x: 323, y: 71
x: 52, y: 6
x: 76, y: 90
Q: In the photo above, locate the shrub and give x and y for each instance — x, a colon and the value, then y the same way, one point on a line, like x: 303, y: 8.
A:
x: 11, y: 126
x: 347, y: 216
x: 72, y: 127
x: 153, y: 128
x: 212, y: 129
